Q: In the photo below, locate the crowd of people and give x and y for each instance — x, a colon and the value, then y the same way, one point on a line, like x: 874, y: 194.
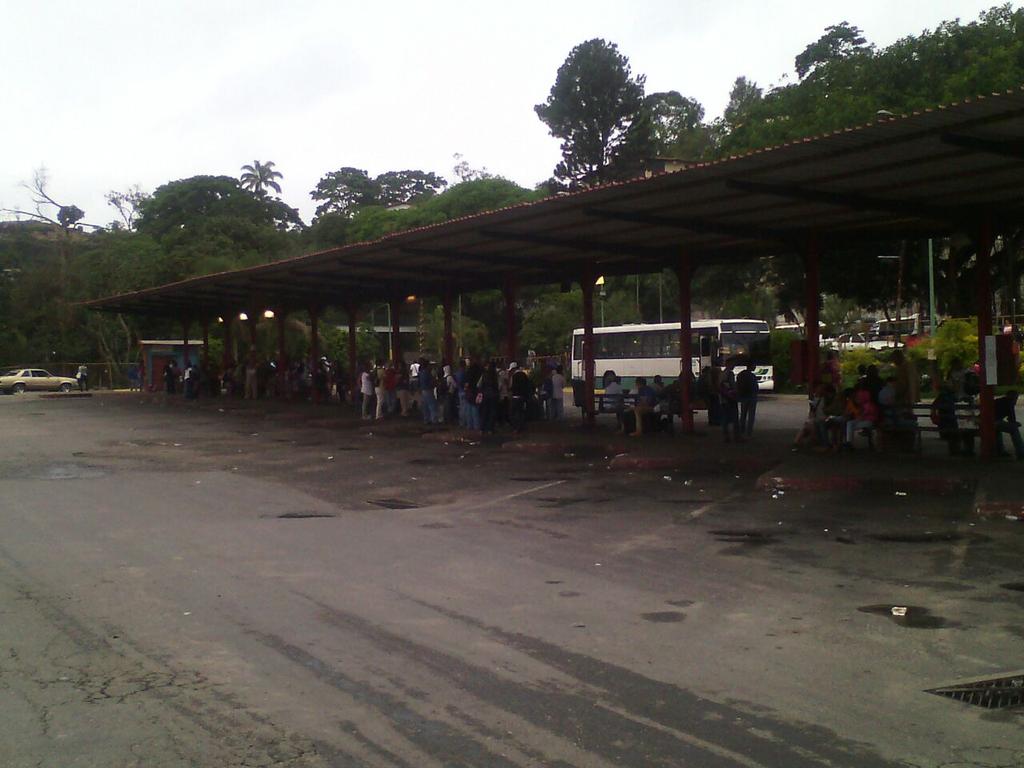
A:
x: 482, y: 397
x: 883, y: 407
x: 474, y: 395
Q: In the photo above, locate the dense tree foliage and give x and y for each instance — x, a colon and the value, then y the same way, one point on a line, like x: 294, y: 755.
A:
x: 54, y: 256
x: 347, y: 190
x: 594, y: 107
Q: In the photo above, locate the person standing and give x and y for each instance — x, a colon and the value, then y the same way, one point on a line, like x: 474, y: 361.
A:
x: 83, y: 378
x: 474, y: 397
x: 252, y: 377
x: 729, y: 407
x: 402, y: 389
x: 133, y: 378
x: 366, y: 392
x: 378, y: 389
x: 428, y: 401
x: 519, y: 392
x: 170, y: 377
x: 390, y: 388
x: 746, y: 393
x: 557, y: 394
x: 489, y: 398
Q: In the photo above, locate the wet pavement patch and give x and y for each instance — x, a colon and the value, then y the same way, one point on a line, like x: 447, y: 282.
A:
x: 394, y: 503
x: 997, y: 693
x: 917, y: 538
x: 553, y: 581
x: 663, y: 617
x: 1016, y: 586
x: 914, y: 617
x: 552, y: 502
x: 680, y: 603
x: 70, y: 471
x: 302, y: 515
x: 569, y: 593
x: 738, y: 536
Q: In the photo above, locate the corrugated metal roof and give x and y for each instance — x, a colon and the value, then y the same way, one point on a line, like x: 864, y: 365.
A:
x: 925, y: 174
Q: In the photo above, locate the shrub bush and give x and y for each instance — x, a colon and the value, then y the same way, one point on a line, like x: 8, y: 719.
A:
x: 851, y: 359
x: 956, y: 340
x: 779, y: 344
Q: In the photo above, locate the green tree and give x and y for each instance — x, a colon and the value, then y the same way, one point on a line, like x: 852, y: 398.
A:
x: 839, y: 41
x: 743, y: 97
x: 549, y: 321
x: 677, y: 125
x: 344, y: 191
x: 259, y: 177
x: 209, y: 223
x: 403, y: 187
x: 594, y: 107
x: 128, y: 205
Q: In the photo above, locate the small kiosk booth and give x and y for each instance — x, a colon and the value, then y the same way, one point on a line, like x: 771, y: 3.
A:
x: 155, y: 354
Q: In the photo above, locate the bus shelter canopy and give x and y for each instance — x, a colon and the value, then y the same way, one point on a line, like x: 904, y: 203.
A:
x: 926, y: 174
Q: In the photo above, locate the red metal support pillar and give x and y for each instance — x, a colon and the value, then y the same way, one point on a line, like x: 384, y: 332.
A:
x: 206, y: 344
x: 185, y: 323
x: 812, y: 272
x: 511, y: 335
x: 396, y: 331
x: 449, y: 338
x: 684, y: 272
x: 587, y: 284
x: 983, y: 290
x: 353, y: 362
x: 314, y: 345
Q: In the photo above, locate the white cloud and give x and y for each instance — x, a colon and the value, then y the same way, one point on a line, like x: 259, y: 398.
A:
x: 108, y: 94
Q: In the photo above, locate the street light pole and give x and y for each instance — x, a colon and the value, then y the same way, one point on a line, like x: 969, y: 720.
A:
x: 931, y: 290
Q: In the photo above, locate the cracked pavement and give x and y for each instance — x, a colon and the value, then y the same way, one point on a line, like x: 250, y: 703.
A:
x: 225, y: 585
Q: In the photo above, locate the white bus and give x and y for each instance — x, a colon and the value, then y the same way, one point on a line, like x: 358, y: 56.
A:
x: 653, y: 349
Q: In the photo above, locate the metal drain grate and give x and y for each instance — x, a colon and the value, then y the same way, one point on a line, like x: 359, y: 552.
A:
x: 998, y: 693
x: 394, y: 503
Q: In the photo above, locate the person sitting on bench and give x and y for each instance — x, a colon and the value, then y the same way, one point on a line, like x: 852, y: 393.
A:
x: 1006, y: 421
x: 961, y: 441
x: 645, y: 399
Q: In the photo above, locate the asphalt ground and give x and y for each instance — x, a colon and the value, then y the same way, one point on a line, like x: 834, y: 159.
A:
x: 234, y: 584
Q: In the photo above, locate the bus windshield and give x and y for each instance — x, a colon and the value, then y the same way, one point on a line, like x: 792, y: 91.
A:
x: 748, y: 340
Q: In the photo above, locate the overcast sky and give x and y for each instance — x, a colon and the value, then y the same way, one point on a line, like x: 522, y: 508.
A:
x: 110, y: 94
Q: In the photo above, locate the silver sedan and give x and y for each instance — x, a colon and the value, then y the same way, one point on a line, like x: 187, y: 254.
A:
x: 34, y: 379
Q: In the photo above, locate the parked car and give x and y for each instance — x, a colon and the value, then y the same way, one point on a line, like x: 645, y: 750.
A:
x: 33, y: 380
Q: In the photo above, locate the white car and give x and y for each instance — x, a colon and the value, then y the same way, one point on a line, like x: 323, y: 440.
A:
x: 852, y: 341
x: 34, y: 380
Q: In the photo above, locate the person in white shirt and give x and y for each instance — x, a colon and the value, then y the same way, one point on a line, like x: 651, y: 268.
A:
x: 366, y: 389
x: 613, y: 388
